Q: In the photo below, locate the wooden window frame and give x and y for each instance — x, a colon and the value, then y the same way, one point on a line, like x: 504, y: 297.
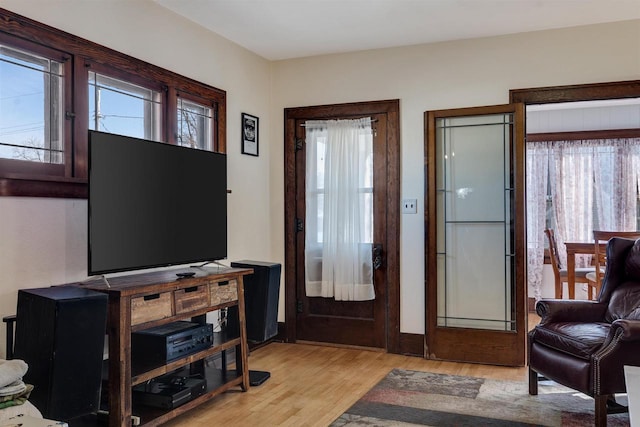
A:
x: 135, y: 80
x: 15, y: 167
x: 172, y: 122
x: 24, y: 178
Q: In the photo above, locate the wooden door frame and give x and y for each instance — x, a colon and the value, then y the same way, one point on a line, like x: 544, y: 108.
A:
x: 574, y: 93
x: 392, y: 250
x: 571, y: 93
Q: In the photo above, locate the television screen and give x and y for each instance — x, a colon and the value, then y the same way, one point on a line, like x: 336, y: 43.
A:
x: 153, y: 204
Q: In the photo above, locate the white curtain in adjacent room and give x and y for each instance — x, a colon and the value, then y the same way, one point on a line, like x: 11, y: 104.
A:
x: 339, y: 209
x: 571, y: 176
x: 537, y: 182
x: 593, y: 184
x: 616, y: 187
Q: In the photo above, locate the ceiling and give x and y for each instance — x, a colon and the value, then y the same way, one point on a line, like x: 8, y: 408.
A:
x: 285, y: 29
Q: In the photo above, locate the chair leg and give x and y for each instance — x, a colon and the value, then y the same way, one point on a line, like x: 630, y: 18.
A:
x: 600, y: 410
x: 533, y: 382
x: 613, y: 407
x: 558, y: 291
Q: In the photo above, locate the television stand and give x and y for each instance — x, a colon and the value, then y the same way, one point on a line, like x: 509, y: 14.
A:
x: 142, y: 301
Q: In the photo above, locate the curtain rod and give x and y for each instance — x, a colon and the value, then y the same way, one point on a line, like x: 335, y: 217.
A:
x: 304, y: 124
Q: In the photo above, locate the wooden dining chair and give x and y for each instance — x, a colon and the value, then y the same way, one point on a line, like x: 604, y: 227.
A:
x: 601, y: 238
x: 560, y: 273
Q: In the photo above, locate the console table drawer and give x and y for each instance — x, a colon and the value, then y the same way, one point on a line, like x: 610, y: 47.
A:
x: 150, y: 307
x: 225, y: 291
x: 190, y: 299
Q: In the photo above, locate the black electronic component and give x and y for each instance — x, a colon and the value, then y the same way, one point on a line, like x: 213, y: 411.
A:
x: 158, y: 346
x: 168, y: 391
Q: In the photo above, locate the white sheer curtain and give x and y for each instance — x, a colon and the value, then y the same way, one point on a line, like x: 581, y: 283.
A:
x: 571, y: 175
x: 615, y: 177
x: 537, y: 182
x: 339, y: 206
x: 593, y: 183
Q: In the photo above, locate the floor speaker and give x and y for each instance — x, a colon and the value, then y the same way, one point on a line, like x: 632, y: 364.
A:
x: 60, y: 334
x: 261, y: 295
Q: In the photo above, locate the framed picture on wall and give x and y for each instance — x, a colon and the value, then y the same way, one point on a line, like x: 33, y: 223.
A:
x: 249, y: 134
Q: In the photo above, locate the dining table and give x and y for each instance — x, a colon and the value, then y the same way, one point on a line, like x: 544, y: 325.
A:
x: 574, y: 248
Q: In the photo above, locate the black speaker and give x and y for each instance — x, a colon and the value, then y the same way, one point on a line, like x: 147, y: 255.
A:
x: 60, y: 335
x: 261, y: 295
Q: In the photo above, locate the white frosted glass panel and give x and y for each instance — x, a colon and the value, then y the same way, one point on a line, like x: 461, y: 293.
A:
x: 474, y: 274
x: 440, y: 237
x: 442, y: 276
x: 474, y: 211
x: 475, y: 324
x: 441, y: 158
x: 507, y: 159
x: 475, y: 174
x: 467, y: 121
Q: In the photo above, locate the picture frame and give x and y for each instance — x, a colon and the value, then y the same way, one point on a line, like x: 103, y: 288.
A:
x: 250, y: 133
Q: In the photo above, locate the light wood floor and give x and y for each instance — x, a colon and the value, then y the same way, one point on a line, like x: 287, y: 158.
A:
x: 311, y: 385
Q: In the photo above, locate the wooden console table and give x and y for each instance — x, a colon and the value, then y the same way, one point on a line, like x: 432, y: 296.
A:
x: 143, y: 301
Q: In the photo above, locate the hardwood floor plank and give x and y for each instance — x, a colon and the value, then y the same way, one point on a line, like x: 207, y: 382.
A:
x: 312, y: 385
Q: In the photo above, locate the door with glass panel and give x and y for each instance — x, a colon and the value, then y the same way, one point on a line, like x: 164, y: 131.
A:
x: 341, y: 210
x: 475, y: 228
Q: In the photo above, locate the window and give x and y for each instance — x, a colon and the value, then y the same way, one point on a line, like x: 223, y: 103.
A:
x: 32, y: 105
x: 195, y: 124
x: 591, y: 184
x: 52, y: 92
x: 116, y: 106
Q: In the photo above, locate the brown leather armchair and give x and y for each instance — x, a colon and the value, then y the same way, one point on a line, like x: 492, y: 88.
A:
x: 585, y: 344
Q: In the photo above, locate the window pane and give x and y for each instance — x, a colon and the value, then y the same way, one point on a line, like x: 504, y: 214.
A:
x: 194, y: 125
x: 30, y: 107
x: 123, y: 108
x: 316, y: 189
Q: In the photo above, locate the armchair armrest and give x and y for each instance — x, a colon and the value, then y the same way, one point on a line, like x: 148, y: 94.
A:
x: 628, y: 329
x: 560, y: 310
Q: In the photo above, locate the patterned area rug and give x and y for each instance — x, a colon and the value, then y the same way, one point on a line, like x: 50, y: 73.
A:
x: 412, y: 398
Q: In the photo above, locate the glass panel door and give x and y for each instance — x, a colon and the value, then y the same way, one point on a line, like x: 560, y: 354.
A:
x: 476, y: 307
x: 475, y: 256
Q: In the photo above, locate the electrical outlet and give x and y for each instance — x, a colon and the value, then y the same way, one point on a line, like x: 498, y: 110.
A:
x: 410, y: 206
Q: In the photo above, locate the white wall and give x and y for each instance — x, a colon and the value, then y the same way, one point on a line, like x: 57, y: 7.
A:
x: 445, y: 75
x: 43, y: 241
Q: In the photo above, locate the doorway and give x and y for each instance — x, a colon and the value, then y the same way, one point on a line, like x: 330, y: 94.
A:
x: 372, y: 323
x: 603, y: 115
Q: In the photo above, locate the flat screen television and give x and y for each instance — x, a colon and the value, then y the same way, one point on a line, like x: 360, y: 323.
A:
x: 153, y: 204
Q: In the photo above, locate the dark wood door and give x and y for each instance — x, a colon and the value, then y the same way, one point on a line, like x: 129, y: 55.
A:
x: 318, y: 319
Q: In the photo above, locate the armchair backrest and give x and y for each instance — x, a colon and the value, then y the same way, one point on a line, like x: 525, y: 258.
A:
x: 621, y: 283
